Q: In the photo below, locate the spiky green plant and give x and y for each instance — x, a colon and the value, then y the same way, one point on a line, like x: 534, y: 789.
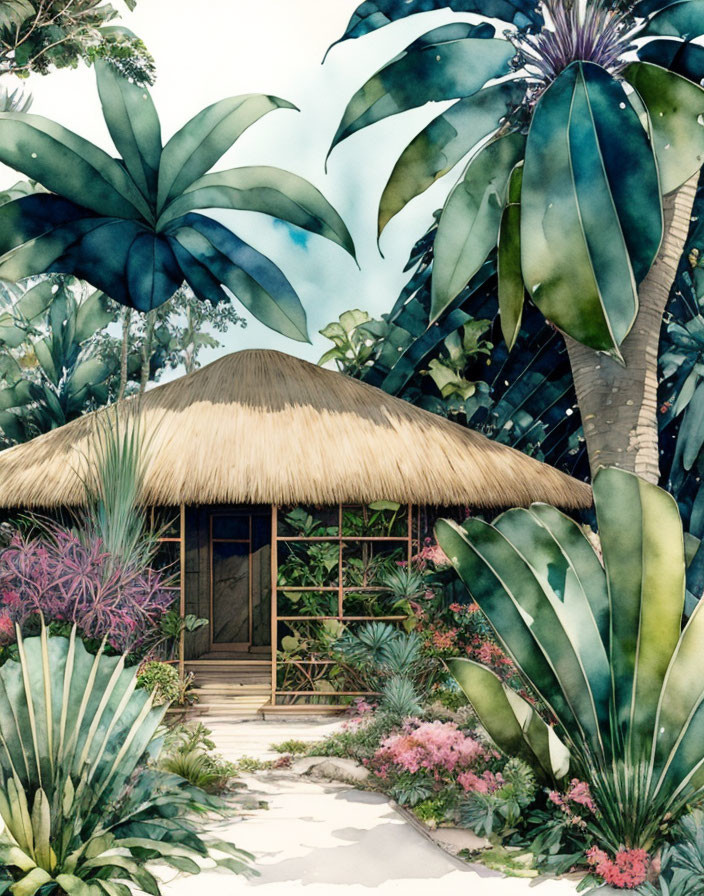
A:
x: 129, y: 227
x: 602, y: 646
x: 81, y: 812
x: 399, y: 697
x: 115, y: 466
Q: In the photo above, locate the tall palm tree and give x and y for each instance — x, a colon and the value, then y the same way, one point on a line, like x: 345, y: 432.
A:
x: 129, y: 226
x: 583, y: 124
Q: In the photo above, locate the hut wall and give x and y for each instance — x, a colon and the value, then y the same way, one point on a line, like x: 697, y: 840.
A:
x: 197, y: 581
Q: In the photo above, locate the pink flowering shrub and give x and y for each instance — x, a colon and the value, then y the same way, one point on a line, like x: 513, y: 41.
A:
x: 430, y: 554
x: 576, y: 803
x: 626, y: 871
x: 67, y: 581
x: 428, y: 757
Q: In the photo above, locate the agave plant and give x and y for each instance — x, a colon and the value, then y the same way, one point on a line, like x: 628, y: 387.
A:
x: 577, y: 121
x: 602, y: 647
x: 128, y: 225
x: 79, y: 816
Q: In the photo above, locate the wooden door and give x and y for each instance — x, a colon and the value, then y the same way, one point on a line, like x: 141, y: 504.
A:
x: 231, y: 581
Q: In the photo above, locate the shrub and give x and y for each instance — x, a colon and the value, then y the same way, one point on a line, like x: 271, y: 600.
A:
x: 425, y: 757
x: 78, y: 803
x: 500, y: 811
x: 682, y: 860
x: 359, y: 739
x: 161, y: 680
x: 294, y: 747
x: 58, y: 576
x: 380, y: 651
x: 189, y: 752
x: 399, y: 698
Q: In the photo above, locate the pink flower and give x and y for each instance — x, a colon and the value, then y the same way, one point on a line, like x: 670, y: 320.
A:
x: 578, y: 792
x: 627, y: 870
x: 435, y: 747
x: 487, y: 782
x: 7, y: 630
x: 430, y: 553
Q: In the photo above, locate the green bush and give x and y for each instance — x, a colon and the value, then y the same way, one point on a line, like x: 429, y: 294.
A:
x: 162, y: 681
x: 294, y: 747
x: 77, y: 799
x: 500, y: 812
x: 359, y: 742
x: 189, y: 752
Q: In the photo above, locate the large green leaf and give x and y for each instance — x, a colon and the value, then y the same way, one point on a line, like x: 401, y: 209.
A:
x: 92, y: 315
x: 260, y: 188
x: 69, y: 165
x: 442, y: 144
x: 153, y: 274
x: 682, y: 57
x: 554, y: 623
x: 134, y: 126
x: 684, y: 19
x: 510, y: 278
x: 591, y: 219
x: 254, y: 280
x: 583, y: 560
x: 511, y: 722
x: 373, y: 14
x: 564, y: 590
x: 643, y: 549
x: 193, y: 150
x: 446, y: 63
x: 470, y: 220
x: 505, y: 588
x: 676, y: 110
x: 681, y: 698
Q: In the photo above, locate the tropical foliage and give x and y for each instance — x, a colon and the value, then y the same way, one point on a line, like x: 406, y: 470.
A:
x: 548, y: 183
x: 601, y: 646
x: 70, y: 579
x: 82, y: 814
x: 52, y: 369
x: 60, y: 356
x: 189, y: 751
x: 523, y: 398
x: 115, y: 515
x: 129, y: 227
x: 544, y: 128
x: 38, y: 35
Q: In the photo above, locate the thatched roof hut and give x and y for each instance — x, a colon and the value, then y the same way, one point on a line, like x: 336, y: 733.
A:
x: 262, y: 427
x: 291, y: 493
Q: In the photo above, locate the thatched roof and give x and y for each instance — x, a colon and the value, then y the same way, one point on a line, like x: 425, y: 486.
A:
x: 264, y: 427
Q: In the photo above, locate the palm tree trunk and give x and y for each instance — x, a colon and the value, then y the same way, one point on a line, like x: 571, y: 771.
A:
x: 618, y: 404
x: 126, y: 321
x: 149, y: 325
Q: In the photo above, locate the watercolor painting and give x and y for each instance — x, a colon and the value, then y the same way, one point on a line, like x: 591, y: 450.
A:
x: 351, y: 447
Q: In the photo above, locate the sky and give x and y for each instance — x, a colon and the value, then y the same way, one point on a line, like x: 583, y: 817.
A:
x: 206, y: 50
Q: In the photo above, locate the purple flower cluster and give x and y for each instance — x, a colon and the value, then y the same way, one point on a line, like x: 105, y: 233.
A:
x: 68, y: 580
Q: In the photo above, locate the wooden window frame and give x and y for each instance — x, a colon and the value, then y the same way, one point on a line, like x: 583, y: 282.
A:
x: 409, y: 539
